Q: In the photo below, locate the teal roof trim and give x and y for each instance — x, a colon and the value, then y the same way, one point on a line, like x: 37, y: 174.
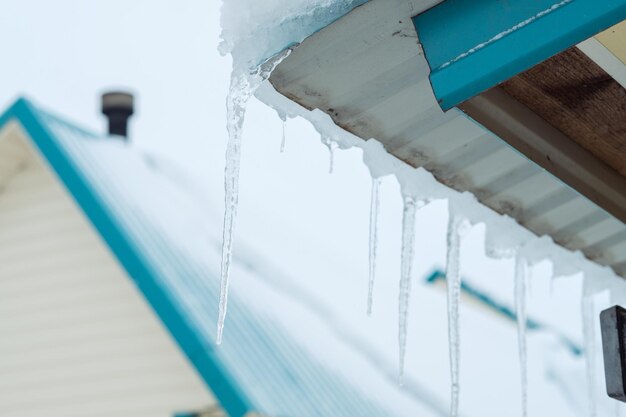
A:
x: 194, y: 346
x: 473, y: 45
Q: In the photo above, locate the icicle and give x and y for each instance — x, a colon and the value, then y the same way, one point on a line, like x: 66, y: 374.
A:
x: 453, y: 283
x: 242, y: 86
x: 520, y: 311
x: 589, y: 338
x: 284, y: 138
x: 408, y: 242
x: 238, y: 96
x: 373, y: 243
x: 331, y: 145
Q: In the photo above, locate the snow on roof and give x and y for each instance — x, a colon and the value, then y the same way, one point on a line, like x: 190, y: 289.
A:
x: 159, y: 234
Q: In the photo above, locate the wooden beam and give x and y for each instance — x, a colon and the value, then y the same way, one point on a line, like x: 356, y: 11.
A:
x: 575, y: 95
x: 545, y: 145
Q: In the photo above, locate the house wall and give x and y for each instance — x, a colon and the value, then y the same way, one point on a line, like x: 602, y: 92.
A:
x: 76, y: 336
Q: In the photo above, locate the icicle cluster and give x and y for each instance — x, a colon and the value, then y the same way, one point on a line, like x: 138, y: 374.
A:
x: 504, y: 236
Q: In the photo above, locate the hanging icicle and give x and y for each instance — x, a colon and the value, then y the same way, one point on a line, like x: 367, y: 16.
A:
x: 331, y: 163
x: 408, y: 244
x: 589, y: 339
x: 373, y: 242
x: 236, y: 102
x: 243, y: 84
x: 520, y: 312
x: 453, y: 283
x: 284, y: 138
x: 331, y: 145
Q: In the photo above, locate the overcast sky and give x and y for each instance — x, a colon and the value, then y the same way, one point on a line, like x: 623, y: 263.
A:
x: 63, y: 53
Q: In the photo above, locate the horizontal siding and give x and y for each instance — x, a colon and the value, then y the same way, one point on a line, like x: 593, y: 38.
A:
x: 76, y: 337
x: 13, y: 153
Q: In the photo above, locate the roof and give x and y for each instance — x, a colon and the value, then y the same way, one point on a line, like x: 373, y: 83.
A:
x: 259, y: 368
x: 501, y: 309
x: 375, y: 84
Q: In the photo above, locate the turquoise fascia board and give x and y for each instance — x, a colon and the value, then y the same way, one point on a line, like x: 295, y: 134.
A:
x: 202, y: 356
x: 473, y: 45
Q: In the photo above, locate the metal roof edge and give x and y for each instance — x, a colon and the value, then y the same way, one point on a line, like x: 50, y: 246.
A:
x: 473, y: 46
x: 202, y: 356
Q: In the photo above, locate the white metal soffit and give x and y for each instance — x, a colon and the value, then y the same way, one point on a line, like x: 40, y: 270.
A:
x: 367, y: 71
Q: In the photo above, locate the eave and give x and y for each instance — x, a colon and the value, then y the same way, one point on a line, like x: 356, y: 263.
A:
x: 369, y: 73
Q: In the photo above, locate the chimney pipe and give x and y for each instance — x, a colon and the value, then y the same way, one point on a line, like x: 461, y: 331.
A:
x: 117, y: 106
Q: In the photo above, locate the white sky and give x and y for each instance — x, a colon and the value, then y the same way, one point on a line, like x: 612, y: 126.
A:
x: 63, y: 53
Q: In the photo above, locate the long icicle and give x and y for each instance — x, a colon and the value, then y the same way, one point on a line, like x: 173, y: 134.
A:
x: 589, y: 338
x: 453, y: 283
x: 238, y: 96
x: 242, y: 86
x: 520, y: 312
x: 408, y: 243
x: 373, y: 243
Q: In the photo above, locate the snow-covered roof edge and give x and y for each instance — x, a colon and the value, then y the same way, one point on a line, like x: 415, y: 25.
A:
x: 505, y: 237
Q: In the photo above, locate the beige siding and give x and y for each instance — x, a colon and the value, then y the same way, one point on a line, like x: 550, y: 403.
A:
x: 76, y: 337
x: 13, y: 152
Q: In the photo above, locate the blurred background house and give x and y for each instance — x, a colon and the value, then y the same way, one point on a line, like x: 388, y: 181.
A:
x: 109, y: 281
x: 92, y: 233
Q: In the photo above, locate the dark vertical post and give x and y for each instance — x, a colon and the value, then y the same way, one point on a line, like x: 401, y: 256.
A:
x: 612, y: 323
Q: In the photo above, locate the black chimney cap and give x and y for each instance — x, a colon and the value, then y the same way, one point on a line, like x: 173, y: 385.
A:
x: 118, y: 106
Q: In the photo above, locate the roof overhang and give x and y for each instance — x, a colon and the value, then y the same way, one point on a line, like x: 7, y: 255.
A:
x: 369, y: 74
